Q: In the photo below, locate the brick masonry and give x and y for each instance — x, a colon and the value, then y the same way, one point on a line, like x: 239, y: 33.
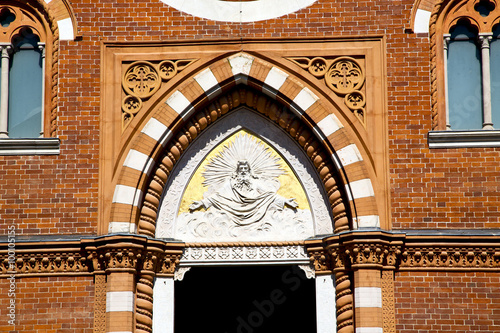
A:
x: 447, y: 302
x: 429, y: 189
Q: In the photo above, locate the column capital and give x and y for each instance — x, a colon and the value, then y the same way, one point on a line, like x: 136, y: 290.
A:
x: 485, y: 39
x: 6, y: 49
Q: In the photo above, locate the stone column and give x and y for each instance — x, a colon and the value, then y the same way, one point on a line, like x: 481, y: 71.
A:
x: 4, y: 90
x: 446, y: 42
x: 485, y: 40
x: 41, y: 47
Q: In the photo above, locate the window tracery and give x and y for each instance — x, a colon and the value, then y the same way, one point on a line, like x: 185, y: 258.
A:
x: 464, y: 72
x: 27, y: 44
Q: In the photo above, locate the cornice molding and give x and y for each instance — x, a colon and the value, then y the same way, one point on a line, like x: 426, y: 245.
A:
x: 90, y: 256
x: 399, y: 251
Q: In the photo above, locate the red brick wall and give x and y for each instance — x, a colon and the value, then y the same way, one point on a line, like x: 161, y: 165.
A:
x: 447, y: 302
x: 49, y: 304
x: 455, y: 188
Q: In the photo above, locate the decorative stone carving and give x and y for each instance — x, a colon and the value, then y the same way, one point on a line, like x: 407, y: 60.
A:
x: 388, y: 311
x: 47, y: 263
x: 308, y: 270
x: 233, y: 253
x: 343, y: 75
x: 180, y: 272
x: 242, y: 201
x: 439, y: 257
x: 219, y: 107
x: 100, y: 303
x: 289, y: 223
x: 142, y: 79
x: 130, y: 107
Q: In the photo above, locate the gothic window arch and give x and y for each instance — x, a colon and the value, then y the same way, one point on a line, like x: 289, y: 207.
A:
x: 465, y: 34
x: 27, y: 104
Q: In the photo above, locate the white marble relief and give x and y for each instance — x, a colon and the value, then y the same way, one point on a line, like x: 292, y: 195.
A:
x: 241, y: 202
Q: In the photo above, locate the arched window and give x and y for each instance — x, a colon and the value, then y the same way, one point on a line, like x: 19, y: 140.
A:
x: 26, y: 86
x: 465, y: 74
x: 25, y: 34
x: 464, y: 78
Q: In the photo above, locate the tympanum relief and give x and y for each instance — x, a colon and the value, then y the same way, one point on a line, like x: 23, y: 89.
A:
x: 244, y: 190
x: 233, y: 185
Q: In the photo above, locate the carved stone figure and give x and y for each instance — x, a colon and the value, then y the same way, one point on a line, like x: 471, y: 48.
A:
x: 242, y: 200
x: 245, y: 197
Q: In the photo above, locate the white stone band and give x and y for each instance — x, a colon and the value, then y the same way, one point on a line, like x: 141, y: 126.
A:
x: 117, y: 301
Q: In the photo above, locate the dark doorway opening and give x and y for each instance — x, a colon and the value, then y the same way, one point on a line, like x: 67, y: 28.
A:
x: 245, y: 299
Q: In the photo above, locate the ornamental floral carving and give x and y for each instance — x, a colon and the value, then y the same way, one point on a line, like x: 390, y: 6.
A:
x: 142, y: 79
x: 343, y: 75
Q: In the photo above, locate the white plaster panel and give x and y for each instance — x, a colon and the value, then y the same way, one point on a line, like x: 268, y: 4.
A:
x: 369, y: 330
x: 367, y: 297
x: 236, y: 11
x: 329, y: 125
x: 138, y: 161
x: 65, y: 29
x: 349, y: 154
x: 155, y: 129
x: 275, y: 78
x: 163, y: 305
x: 305, y: 99
x: 325, y: 304
x: 367, y: 221
x: 241, y: 63
x: 178, y: 102
x: 360, y: 189
x: 421, y: 23
x: 207, y: 80
x: 119, y: 301
x: 127, y: 195
x: 119, y: 227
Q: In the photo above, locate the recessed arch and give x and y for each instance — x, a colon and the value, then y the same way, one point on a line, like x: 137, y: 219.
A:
x: 200, y: 100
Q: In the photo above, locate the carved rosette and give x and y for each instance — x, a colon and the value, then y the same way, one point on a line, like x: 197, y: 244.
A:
x: 343, y: 75
x: 142, y: 79
x: 222, y: 105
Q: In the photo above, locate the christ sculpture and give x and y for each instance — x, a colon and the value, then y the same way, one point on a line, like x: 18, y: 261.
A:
x: 245, y: 197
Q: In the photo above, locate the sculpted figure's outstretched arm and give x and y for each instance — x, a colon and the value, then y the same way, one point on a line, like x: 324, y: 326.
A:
x: 195, y: 205
x: 291, y: 202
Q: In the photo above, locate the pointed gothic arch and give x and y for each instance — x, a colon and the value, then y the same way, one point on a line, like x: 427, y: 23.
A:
x: 201, y: 100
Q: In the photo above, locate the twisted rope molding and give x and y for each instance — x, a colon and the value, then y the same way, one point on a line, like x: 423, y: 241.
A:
x: 204, y: 118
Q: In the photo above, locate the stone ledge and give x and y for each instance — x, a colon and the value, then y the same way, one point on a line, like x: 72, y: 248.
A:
x: 35, y: 146
x: 464, y: 139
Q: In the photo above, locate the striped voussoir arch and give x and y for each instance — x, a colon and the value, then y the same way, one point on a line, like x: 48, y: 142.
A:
x: 140, y: 184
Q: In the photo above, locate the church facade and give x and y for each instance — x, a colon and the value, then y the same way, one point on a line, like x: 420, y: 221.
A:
x: 250, y: 166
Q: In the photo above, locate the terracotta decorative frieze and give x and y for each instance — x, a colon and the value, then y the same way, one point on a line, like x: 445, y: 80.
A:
x: 57, y: 262
x: 388, y: 310
x: 100, y: 304
x: 90, y: 256
x: 142, y: 79
x: 450, y: 257
x: 343, y: 75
